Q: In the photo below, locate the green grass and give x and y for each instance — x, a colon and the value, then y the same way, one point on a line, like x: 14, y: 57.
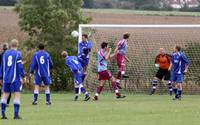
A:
x: 141, y: 12
x: 134, y: 110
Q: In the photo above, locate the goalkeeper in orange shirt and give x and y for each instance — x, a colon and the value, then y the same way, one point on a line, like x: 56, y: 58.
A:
x: 163, y: 61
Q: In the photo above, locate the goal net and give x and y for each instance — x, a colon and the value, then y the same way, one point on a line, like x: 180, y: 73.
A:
x: 144, y: 44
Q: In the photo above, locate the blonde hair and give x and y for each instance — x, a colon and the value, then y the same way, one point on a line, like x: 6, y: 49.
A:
x: 14, y: 43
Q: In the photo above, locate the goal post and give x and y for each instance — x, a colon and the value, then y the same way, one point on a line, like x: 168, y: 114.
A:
x: 144, y: 43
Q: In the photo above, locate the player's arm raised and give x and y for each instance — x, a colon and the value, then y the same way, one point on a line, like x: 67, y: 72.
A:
x: 108, y: 54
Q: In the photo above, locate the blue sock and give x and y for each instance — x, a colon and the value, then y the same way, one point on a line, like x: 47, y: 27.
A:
x: 179, y: 92
x: 35, y: 97
x: 3, y: 109
x: 16, y: 110
x: 76, y: 90
x: 175, y: 90
x: 83, y: 90
x: 48, y: 96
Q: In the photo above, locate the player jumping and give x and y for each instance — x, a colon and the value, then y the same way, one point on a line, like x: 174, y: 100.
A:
x: 11, y: 72
x: 180, y: 64
x: 78, y: 73
x: 84, y: 53
x: 104, y: 73
x: 163, y: 61
x: 41, y: 66
x: 120, y: 52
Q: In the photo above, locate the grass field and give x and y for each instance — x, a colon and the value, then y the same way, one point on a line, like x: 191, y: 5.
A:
x: 134, y: 110
x: 143, y: 12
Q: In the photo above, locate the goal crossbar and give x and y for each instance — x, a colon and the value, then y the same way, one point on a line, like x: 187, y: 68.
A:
x: 81, y: 26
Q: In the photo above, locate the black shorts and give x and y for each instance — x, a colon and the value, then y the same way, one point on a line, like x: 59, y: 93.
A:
x: 163, y: 73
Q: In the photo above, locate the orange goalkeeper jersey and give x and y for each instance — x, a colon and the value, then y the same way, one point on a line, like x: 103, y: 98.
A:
x: 163, y: 60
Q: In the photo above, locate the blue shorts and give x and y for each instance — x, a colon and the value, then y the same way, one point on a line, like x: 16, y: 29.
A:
x: 178, y: 78
x: 45, y: 80
x: 84, y: 62
x: 78, y: 79
x: 12, y: 87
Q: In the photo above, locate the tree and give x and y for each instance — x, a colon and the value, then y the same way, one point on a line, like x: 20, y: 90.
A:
x: 51, y: 22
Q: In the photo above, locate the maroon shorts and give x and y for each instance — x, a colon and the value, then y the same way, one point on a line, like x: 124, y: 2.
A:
x: 121, y: 60
x: 105, y: 75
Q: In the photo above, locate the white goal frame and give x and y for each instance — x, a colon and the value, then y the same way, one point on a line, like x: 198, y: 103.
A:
x: 81, y: 26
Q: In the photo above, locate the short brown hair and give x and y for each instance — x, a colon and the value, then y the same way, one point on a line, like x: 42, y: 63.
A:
x: 178, y: 48
x: 85, y: 35
x: 126, y: 35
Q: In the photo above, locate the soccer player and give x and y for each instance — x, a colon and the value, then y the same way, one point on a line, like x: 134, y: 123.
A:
x: 104, y: 73
x: 5, y: 47
x: 163, y: 61
x: 120, y: 52
x: 41, y: 66
x: 11, y: 72
x: 78, y: 73
x: 180, y: 64
x: 84, y: 53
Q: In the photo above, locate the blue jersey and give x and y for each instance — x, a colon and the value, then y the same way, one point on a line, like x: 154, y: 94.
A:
x: 76, y: 68
x: 102, y: 62
x: 41, y: 64
x: 12, y: 68
x: 179, y: 61
x: 85, y: 49
x: 73, y: 63
x: 123, y: 46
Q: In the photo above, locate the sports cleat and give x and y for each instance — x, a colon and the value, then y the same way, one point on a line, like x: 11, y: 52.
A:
x: 76, y: 98
x: 125, y: 76
x: 48, y: 103
x: 95, y: 98
x: 121, y: 97
x: 4, y: 117
x: 17, y: 117
x: 34, y: 103
x: 87, y: 98
x: 177, y: 97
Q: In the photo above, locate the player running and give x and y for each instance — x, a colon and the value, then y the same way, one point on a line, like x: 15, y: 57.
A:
x: 180, y: 64
x: 104, y: 73
x: 78, y: 73
x: 11, y: 72
x: 41, y: 66
x: 120, y: 52
x: 163, y: 61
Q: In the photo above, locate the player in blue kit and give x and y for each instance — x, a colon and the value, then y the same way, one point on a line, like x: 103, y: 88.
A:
x: 78, y: 73
x: 85, y: 48
x: 179, y: 67
x: 10, y: 75
x: 41, y: 66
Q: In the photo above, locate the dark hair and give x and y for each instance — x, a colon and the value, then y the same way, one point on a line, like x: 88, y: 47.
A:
x: 178, y: 48
x: 126, y: 35
x: 85, y: 35
x: 41, y: 46
x: 104, y: 45
x: 5, y: 46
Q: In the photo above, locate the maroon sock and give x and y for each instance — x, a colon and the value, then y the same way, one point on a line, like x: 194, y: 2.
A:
x: 99, y: 89
x: 119, y: 75
x: 114, y: 85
